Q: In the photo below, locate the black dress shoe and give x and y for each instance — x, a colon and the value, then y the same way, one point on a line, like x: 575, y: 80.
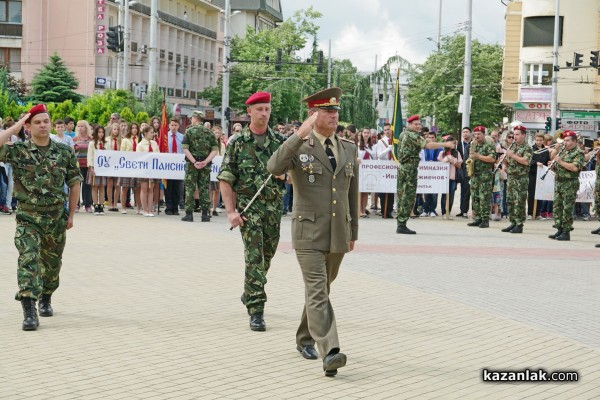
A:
x: 460, y: 215
x: 168, y: 212
x: 596, y: 231
x: 404, y: 230
x: 309, y: 352
x: 598, y: 245
x: 509, y: 228
x: 477, y: 222
x: 332, y: 362
x: 257, y: 323
x: 564, y: 236
x: 555, y: 235
x: 517, y: 229
x: 484, y: 224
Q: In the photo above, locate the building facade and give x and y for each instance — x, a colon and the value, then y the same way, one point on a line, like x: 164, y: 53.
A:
x: 528, y: 64
x: 190, y: 45
x: 257, y: 14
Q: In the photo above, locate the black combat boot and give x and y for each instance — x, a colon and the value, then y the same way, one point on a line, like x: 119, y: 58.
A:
x: 565, y: 235
x: 257, y: 323
x: 517, y: 229
x: 555, y: 235
x: 509, y: 228
x: 477, y: 222
x: 596, y: 231
x: 205, y: 216
x: 189, y: 217
x: 401, y: 228
x: 30, y: 321
x: 45, y: 306
x: 484, y: 224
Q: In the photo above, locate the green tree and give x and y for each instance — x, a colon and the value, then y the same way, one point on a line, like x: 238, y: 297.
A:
x: 153, y: 101
x: 436, y: 85
x: 54, y: 83
x: 97, y: 108
x: 127, y: 114
x: 142, y: 116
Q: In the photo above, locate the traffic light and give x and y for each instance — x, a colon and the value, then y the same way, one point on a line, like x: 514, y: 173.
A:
x: 548, y: 124
x: 114, y: 39
x: 380, y: 96
x: 320, y: 62
x: 577, y: 60
x: 557, y: 123
x: 594, y: 58
x: 278, y: 62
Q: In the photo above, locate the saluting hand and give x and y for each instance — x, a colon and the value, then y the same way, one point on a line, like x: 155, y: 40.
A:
x: 307, y: 125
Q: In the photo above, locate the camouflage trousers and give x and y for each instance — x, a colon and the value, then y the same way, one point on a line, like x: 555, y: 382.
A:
x: 481, y: 192
x: 407, y: 190
x: 565, y: 194
x: 516, y: 196
x: 40, y: 239
x: 597, y: 195
x: 260, y: 235
x: 196, y: 178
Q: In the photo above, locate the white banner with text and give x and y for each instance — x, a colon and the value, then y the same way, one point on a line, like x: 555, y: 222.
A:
x: 380, y: 176
x: 128, y: 164
x: 544, y: 189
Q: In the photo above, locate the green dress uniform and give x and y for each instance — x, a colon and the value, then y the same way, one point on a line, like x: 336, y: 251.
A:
x: 566, y: 185
x: 200, y: 142
x: 40, y: 174
x: 517, y: 184
x: 324, y: 221
x: 244, y: 167
x: 409, y: 147
x: 482, y: 180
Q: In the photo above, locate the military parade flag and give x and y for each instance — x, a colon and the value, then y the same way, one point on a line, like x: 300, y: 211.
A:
x: 397, y: 117
x: 163, y: 143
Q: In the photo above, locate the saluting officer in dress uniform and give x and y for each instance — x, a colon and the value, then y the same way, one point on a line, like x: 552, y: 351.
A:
x: 517, y: 159
x: 41, y: 168
x: 324, y: 218
x: 243, y: 172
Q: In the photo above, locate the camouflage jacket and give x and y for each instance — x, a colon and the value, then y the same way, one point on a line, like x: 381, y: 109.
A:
x: 244, y: 166
x: 517, y: 169
x: 484, y: 149
x: 199, y: 141
x: 574, y: 156
x: 39, y: 177
x: 409, y: 147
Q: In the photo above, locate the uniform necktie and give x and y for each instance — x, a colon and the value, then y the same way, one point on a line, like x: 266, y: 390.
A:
x: 101, y: 146
x: 114, y: 144
x: 150, y: 146
x: 173, y: 144
x: 134, y: 140
x: 329, y: 153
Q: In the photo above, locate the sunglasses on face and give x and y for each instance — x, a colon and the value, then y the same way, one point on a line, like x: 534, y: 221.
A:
x: 511, y: 137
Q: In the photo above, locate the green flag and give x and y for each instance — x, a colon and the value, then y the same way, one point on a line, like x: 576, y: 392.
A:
x: 397, y: 117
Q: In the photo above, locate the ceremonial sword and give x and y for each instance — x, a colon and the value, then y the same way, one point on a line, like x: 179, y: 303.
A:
x: 255, y: 196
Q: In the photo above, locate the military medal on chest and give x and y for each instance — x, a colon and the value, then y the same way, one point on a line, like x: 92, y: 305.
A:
x: 311, y: 178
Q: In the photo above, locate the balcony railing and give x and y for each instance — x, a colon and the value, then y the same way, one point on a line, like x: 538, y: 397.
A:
x: 14, y: 30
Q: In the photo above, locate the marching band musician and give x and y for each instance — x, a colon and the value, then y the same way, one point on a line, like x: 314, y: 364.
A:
x: 483, y: 154
x: 517, y: 159
x: 567, y: 161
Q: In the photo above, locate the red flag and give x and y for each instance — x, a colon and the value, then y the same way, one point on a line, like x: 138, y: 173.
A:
x: 163, y: 144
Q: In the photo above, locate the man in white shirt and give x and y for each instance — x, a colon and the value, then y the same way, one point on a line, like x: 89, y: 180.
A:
x: 174, y: 187
x: 60, y: 137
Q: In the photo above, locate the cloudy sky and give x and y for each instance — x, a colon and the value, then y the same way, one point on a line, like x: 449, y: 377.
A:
x: 361, y: 29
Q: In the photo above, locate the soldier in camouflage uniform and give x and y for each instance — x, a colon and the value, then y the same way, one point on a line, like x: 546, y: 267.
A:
x: 483, y: 154
x: 200, y: 147
x: 243, y: 172
x: 410, y: 145
x: 597, y: 193
x: 517, y: 159
x: 567, y: 163
x: 41, y: 168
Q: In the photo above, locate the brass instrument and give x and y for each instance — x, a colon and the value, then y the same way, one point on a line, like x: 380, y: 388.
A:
x: 470, y: 162
x: 540, y: 151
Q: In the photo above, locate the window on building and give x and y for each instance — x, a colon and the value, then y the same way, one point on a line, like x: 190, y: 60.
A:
x: 162, y: 54
x: 10, y: 58
x: 221, y: 55
x: 537, y: 74
x: 539, y: 31
x: 178, y: 57
x: 177, y: 92
x: 193, y: 62
x: 134, y: 47
x: 170, y: 58
x: 10, y: 11
x: 185, y: 60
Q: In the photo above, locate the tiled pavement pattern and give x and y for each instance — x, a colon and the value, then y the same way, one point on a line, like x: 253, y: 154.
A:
x: 149, y: 308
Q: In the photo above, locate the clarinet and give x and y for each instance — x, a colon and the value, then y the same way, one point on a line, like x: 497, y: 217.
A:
x: 552, y: 165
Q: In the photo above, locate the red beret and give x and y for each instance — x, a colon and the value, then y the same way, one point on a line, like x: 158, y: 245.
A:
x: 259, y: 97
x: 413, y: 118
x: 35, y: 110
x: 520, y: 128
x: 479, y: 128
x: 566, y: 134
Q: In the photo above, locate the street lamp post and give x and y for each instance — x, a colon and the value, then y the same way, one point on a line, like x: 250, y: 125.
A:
x: 152, y: 49
x: 226, y: 48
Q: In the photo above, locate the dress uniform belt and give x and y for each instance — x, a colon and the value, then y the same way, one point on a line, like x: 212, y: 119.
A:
x: 40, y: 208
